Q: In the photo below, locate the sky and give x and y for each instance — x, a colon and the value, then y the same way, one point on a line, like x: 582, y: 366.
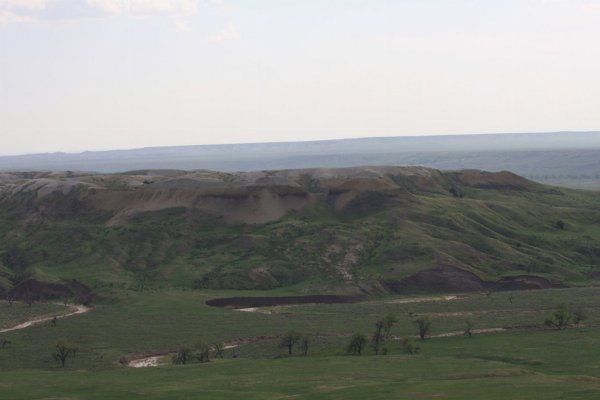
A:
x: 81, y: 75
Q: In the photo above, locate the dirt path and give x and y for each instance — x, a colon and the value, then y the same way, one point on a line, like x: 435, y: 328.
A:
x: 422, y: 300
x: 254, y: 310
x: 76, y: 309
x: 475, y: 332
x: 154, y: 359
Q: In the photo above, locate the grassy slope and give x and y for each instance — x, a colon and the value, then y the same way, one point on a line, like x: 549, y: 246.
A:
x: 490, y: 231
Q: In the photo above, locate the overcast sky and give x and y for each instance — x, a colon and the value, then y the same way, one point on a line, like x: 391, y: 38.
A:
x: 104, y: 74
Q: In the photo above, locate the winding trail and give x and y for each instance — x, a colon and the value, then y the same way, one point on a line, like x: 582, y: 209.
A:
x: 77, y: 309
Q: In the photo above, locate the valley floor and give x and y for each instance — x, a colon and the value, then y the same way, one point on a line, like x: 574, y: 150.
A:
x: 517, y: 358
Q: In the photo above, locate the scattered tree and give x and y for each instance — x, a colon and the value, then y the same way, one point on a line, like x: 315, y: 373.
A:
x: 202, y: 353
x: 560, y: 225
x: 289, y: 340
x: 378, y: 337
x: 456, y: 192
x: 219, y: 349
x: 63, y: 351
x: 469, y: 328
x: 183, y: 355
x: 578, y: 316
x: 357, y: 343
x: 304, y: 343
x: 53, y: 321
x: 424, y: 327
x: 4, y: 342
x: 409, y: 347
x: 29, y: 299
x: 561, y: 317
x: 388, y: 322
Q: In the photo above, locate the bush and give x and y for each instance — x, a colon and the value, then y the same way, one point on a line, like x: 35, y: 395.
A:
x: 409, y: 346
x: 357, y: 344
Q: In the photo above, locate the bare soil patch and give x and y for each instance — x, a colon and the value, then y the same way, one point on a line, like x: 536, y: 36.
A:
x: 254, y: 302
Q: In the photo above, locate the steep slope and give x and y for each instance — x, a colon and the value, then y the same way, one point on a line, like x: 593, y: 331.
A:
x: 402, y: 229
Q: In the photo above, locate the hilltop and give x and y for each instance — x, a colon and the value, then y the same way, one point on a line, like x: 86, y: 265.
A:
x: 348, y: 230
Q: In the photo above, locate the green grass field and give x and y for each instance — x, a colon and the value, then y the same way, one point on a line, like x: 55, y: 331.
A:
x: 525, y: 362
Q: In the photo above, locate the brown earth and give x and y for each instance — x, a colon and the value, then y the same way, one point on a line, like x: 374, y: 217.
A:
x: 246, y: 197
x: 32, y: 289
x: 251, y: 302
x: 449, y: 279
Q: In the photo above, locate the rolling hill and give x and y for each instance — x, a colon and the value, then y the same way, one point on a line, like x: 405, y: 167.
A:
x: 349, y: 230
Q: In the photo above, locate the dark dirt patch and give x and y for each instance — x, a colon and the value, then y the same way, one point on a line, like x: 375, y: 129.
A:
x: 32, y: 289
x: 249, y: 302
x: 448, y: 279
x: 373, y: 201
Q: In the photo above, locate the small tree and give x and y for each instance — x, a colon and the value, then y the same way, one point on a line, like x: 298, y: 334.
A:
x: 183, y: 355
x: 424, y: 327
x: 378, y: 336
x: 63, y: 351
x: 409, y: 347
x: 469, y: 328
x: 219, y: 349
x: 388, y: 322
x: 561, y: 317
x: 357, y: 343
x: 29, y: 299
x: 304, y: 343
x: 289, y: 340
x: 578, y: 316
x: 202, y: 353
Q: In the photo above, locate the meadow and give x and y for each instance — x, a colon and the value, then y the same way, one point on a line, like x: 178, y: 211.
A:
x: 525, y: 361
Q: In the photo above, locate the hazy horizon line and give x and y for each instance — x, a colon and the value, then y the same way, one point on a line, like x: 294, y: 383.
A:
x: 295, y: 141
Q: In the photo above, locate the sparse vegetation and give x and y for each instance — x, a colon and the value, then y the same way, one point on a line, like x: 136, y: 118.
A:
x: 469, y: 328
x: 357, y: 343
x: 63, y: 352
x: 219, y: 349
x: 304, y: 344
x: 183, y: 356
x: 289, y: 340
x: 202, y: 352
x: 408, y: 346
x: 578, y: 316
x: 388, y: 323
x: 561, y: 317
x: 378, y: 337
x: 424, y: 327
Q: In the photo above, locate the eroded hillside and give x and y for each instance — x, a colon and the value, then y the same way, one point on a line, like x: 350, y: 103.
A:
x: 353, y: 229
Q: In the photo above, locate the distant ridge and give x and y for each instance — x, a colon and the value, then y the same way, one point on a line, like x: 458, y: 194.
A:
x: 561, y: 157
